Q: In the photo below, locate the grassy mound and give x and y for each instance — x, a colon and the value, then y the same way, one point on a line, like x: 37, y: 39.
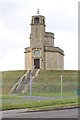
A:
x: 48, y: 82
x: 9, y: 78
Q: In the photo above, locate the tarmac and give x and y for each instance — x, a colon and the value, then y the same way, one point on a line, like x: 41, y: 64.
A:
x: 35, y: 110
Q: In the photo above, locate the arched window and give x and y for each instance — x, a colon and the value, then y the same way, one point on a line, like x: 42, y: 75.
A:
x: 36, y: 20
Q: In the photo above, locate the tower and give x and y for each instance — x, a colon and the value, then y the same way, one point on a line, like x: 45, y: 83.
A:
x: 42, y: 54
x: 37, y: 37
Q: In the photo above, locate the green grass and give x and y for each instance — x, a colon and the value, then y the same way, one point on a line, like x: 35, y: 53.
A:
x: 49, y: 94
x: 48, y: 82
x: 38, y: 104
x: 9, y: 78
x: 10, y: 96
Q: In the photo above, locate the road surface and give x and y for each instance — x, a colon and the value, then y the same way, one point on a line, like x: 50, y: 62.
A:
x: 45, y: 97
x: 69, y: 113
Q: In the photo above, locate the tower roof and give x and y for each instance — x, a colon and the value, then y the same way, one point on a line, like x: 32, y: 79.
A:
x: 38, y: 14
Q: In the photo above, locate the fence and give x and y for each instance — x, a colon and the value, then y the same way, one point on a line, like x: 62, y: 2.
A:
x: 49, y: 84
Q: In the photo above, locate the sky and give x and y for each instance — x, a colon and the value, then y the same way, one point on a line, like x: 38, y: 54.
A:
x: 61, y: 17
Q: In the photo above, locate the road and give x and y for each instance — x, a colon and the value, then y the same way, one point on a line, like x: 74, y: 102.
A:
x: 69, y: 113
x: 45, y: 97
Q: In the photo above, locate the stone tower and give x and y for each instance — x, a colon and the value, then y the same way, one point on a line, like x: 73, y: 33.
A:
x: 42, y: 54
x: 37, y: 41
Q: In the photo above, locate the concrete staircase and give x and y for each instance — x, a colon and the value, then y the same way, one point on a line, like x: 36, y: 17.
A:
x: 34, y: 72
x: 22, y: 84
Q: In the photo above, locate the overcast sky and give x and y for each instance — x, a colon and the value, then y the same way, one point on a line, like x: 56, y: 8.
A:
x: 61, y: 17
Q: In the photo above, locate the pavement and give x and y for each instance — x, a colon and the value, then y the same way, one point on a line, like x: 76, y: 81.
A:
x: 35, y: 110
x: 45, y: 97
x: 15, y: 111
x: 40, y: 97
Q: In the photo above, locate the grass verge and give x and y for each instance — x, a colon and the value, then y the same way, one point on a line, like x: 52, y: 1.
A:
x: 49, y: 94
x: 21, y: 104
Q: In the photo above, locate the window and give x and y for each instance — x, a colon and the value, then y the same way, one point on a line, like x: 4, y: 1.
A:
x: 36, y: 20
x: 36, y: 53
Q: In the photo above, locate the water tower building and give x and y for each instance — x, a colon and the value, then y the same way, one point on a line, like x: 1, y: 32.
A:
x: 42, y: 54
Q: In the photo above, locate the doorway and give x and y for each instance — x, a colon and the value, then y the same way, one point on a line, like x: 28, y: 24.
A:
x: 37, y: 63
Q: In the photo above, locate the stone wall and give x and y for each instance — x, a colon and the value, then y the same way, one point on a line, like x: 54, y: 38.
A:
x: 49, y: 39
x: 28, y: 60
x: 54, y: 60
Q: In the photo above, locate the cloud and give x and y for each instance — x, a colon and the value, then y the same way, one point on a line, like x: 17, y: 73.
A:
x: 68, y: 41
x: 14, y: 60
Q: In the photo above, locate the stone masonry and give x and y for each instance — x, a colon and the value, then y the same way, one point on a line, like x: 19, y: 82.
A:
x: 42, y: 54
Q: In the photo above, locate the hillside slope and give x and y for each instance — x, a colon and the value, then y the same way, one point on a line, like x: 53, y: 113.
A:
x: 9, y: 78
x: 47, y: 82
